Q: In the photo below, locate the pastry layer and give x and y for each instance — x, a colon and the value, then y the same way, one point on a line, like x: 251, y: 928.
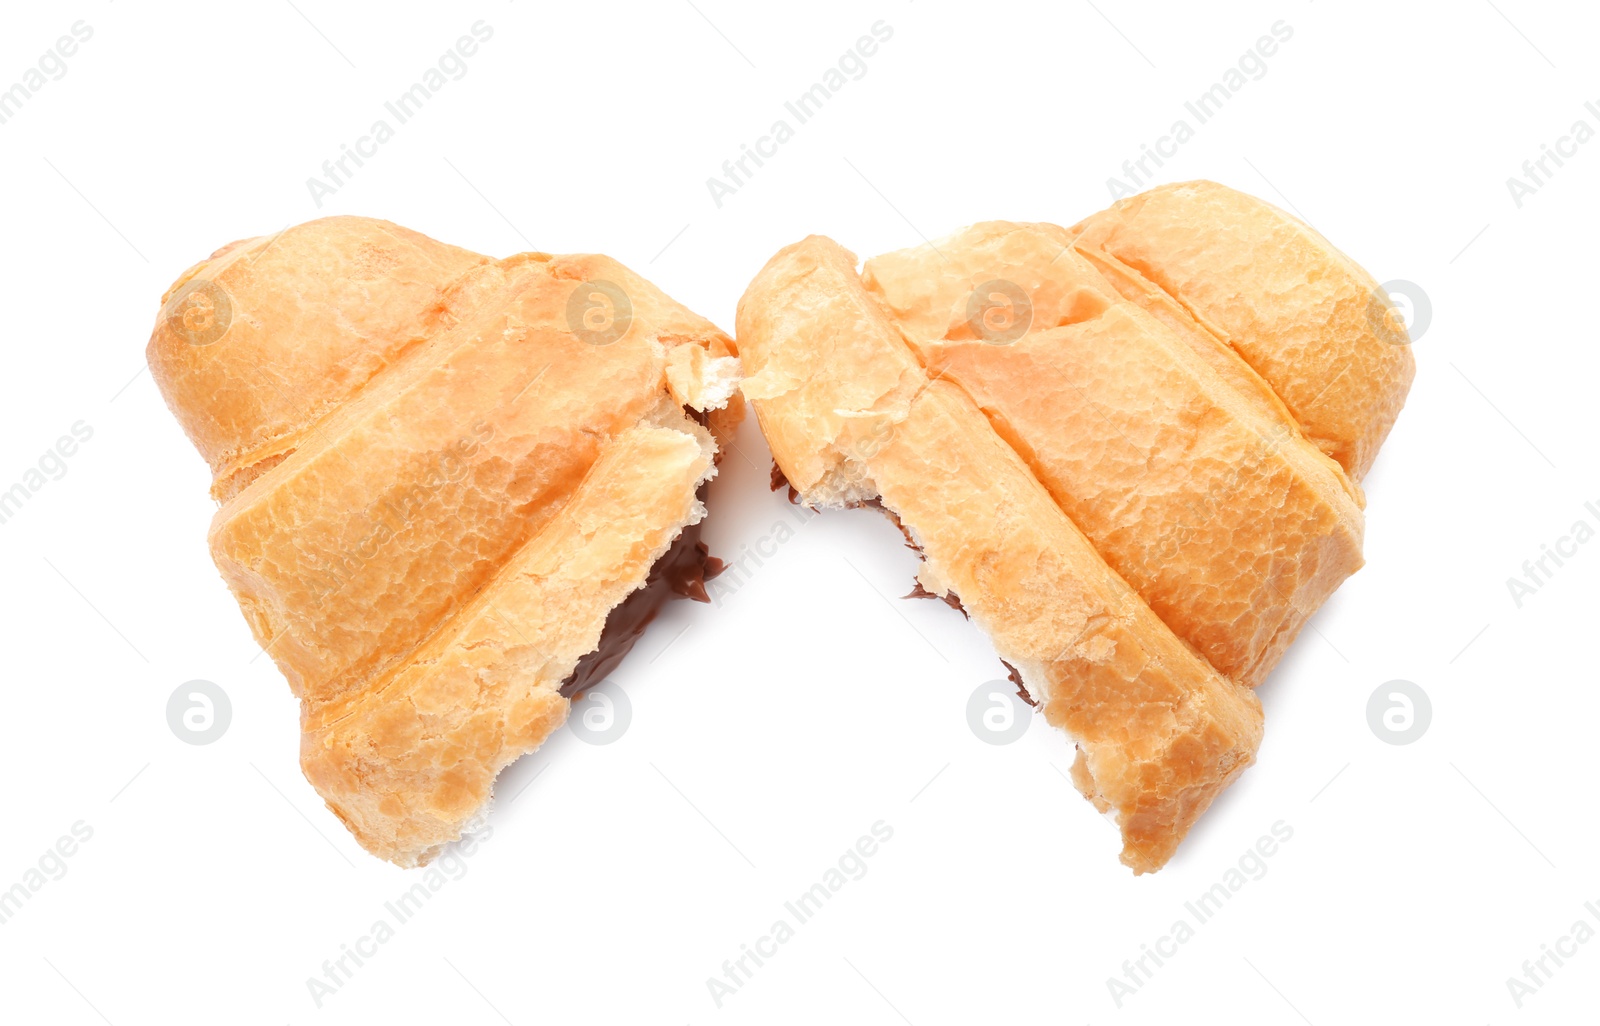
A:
x: 1226, y: 539
x: 409, y: 498
x: 957, y: 288
x: 809, y: 314
x: 1161, y: 733
x: 850, y: 414
x: 410, y: 761
x: 310, y: 316
x: 1161, y: 448
x: 423, y: 453
x: 1300, y: 312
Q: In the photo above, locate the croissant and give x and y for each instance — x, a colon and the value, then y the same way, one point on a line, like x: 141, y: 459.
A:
x: 453, y: 489
x: 1130, y: 451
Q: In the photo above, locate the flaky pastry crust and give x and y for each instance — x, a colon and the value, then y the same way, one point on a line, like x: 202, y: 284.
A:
x: 1139, y: 507
x: 439, y: 474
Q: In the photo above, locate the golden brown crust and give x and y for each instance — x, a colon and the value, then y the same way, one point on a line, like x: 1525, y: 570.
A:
x: 1164, y: 448
x: 824, y: 424
x: 1213, y: 523
x: 850, y: 415
x: 1161, y: 733
x: 1204, y: 339
x: 406, y: 763
x: 1300, y: 312
x: 1101, y: 464
x: 937, y: 290
x: 407, y: 500
x: 355, y: 293
x: 468, y: 464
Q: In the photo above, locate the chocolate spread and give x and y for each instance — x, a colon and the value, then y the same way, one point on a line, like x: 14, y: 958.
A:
x: 682, y: 570
x: 1016, y: 678
x: 917, y: 590
x: 780, y: 480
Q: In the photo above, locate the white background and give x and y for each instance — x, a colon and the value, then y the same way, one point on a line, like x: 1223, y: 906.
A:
x: 769, y: 733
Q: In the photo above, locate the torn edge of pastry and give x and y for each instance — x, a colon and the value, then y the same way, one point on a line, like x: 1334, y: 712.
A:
x: 825, y: 401
x: 404, y: 499
x: 1155, y: 438
x: 411, y: 763
x: 851, y: 416
x: 703, y: 368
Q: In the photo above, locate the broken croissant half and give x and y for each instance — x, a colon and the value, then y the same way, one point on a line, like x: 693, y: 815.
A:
x: 454, y: 489
x: 1129, y: 450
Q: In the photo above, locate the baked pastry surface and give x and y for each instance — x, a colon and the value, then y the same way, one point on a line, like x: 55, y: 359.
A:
x: 439, y: 475
x: 1140, y: 507
x: 1299, y: 311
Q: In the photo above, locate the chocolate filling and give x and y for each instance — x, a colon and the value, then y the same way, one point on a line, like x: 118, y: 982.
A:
x: 682, y: 570
x: 1016, y: 678
x: 779, y: 480
x: 951, y: 600
x: 917, y: 590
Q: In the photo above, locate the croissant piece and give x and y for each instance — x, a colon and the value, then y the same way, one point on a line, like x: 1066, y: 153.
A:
x: 440, y: 476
